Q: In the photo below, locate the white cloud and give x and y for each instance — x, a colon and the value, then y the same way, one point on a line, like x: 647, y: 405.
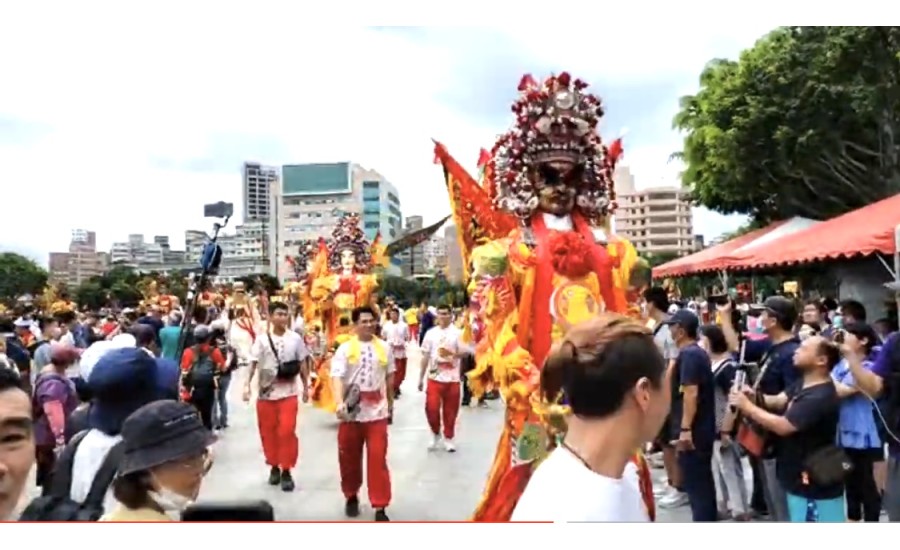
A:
x: 121, y: 90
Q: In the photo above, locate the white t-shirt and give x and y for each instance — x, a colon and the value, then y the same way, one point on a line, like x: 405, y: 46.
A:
x: 563, y: 490
x: 290, y: 347
x: 368, y: 375
x: 442, y: 369
x: 88, y: 458
x: 396, y: 334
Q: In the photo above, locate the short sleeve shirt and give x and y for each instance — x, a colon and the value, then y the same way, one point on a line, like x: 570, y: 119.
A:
x: 368, y: 374
x: 439, y: 346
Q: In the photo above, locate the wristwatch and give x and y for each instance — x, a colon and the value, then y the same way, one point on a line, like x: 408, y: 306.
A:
x: 685, y: 430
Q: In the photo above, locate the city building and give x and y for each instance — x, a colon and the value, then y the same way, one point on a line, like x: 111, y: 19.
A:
x: 137, y: 253
x: 455, y: 271
x: 657, y: 220
x: 311, y: 198
x: 412, y: 260
x: 80, y: 263
x: 243, y: 253
x: 258, y: 183
x: 434, y: 251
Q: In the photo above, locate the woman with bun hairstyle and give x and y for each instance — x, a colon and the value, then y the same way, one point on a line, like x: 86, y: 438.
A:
x: 612, y: 376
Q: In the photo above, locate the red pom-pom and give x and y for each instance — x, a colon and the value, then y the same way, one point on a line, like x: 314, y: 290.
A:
x: 569, y: 253
x: 564, y: 79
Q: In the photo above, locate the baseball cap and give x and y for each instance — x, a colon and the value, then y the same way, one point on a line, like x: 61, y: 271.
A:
x: 161, y: 432
x: 122, y: 381
x: 780, y: 307
x: 686, y: 319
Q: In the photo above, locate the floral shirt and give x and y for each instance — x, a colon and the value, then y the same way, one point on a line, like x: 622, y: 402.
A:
x: 368, y: 374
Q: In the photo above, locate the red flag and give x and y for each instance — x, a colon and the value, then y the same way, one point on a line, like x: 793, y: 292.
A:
x: 484, y: 157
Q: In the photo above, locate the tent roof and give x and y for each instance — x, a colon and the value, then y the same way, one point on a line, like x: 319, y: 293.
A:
x: 708, y: 258
x: 862, y: 232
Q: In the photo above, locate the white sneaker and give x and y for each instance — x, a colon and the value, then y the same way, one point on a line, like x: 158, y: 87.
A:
x: 449, y: 446
x: 675, y: 499
x: 435, y: 443
x: 662, y: 490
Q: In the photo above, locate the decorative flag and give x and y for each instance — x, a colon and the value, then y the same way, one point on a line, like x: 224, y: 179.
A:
x: 410, y: 240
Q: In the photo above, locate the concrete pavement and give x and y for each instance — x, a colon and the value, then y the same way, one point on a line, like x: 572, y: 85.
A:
x: 427, y: 486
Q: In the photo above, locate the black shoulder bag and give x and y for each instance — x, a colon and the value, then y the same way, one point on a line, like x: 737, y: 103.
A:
x: 287, y: 370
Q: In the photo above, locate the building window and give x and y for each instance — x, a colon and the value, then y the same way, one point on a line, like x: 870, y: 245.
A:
x: 372, y: 225
x: 371, y: 184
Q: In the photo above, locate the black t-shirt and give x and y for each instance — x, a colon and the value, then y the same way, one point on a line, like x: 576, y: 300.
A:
x: 692, y: 368
x: 814, y: 411
x: 778, y: 360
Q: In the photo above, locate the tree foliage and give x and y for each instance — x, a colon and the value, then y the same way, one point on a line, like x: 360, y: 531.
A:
x: 805, y: 123
x: 19, y: 275
x: 121, y: 286
x: 410, y: 292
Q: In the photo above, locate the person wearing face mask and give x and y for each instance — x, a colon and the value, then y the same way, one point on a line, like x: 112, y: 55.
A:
x: 166, y: 456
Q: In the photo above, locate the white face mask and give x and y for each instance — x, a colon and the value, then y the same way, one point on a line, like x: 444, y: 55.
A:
x: 170, y: 501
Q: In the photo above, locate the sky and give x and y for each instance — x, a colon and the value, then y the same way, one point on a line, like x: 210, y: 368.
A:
x: 131, y: 127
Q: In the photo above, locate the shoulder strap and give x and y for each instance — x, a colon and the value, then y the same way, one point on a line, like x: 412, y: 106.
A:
x: 272, y: 347
x: 105, y: 476
x: 658, y: 328
x: 61, y: 483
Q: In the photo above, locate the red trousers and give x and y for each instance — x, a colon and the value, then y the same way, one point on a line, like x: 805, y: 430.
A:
x: 277, y: 421
x: 352, y: 437
x: 414, y: 333
x: 442, y: 403
x: 399, y: 371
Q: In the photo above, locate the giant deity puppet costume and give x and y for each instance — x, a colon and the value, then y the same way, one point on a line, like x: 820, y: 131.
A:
x: 346, y: 284
x: 541, y: 258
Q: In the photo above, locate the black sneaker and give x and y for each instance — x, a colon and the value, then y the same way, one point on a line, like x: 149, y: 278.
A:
x: 287, y: 481
x: 351, y: 508
x: 381, y: 515
x: 274, y: 476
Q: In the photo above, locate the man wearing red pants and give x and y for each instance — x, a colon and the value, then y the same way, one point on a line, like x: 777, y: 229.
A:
x: 362, y: 371
x: 442, y: 350
x: 394, y: 333
x: 272, y: 355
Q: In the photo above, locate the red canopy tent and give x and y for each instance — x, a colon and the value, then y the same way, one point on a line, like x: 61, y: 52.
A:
x: 702, y: 260
x: 862, y: 232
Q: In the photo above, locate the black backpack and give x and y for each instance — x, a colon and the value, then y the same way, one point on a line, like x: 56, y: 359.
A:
x: 203, y: 371
x: 56, y: 504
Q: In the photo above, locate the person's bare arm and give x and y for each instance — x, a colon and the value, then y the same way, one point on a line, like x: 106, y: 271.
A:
x: 844, y: 391
x: 775, y: 403
x: 728, y: 329
x: 775, y: 423
x: 690, y: 407
x: 866, y: 381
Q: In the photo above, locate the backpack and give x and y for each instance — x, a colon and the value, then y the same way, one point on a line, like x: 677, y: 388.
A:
x: 203, y: 371
x: 56, y: 504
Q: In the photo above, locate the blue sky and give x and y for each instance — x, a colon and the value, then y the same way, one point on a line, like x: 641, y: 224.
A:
x: 109, y: 128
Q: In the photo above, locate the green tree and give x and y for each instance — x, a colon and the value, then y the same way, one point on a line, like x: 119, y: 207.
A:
x: 91, y: 295
x: 805, y: 123
x: 19, y: 275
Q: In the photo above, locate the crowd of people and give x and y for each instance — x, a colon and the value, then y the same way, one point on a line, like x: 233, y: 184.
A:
x: 117, y: 412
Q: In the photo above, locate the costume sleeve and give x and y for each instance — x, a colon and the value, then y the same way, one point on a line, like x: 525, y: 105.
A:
x: 339, y: 362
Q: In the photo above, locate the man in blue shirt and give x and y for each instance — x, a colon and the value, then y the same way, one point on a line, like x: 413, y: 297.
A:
x: 775, y: 357
x: 693, y: 409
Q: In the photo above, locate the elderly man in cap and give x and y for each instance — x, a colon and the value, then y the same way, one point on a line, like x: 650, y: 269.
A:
x: 201, y: 366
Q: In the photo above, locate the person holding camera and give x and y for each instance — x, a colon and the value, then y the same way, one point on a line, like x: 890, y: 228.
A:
x: 810, y: 468
x: 279, y: 357
x: 857, y: 430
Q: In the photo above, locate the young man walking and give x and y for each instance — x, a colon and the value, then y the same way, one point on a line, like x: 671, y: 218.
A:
x: 362, y: 372
x: 394, y: 333
x: 442, y: 351
x: 279, y: 356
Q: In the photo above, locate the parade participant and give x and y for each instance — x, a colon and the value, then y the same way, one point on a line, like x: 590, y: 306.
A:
x: 544, y: 212
x: 362, y: 371
x: 395, y: 333
x: 348, y: 285
x: 279, y: 357
x: 411, y: 318
x: 613, y: 378
x: 245, y: 323
x: 165, y: 456
x: 16, y: 441
x: 442, y: 350
x: 201, y: 366
x: 165, y: 301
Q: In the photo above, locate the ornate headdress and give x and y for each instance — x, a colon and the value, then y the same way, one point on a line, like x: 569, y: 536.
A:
x: 347, y: 235
x: 556, y: 127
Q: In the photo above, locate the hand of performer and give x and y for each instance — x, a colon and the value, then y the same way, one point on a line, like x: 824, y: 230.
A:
x: 421, y: 385
x: 246, y: 394
x: 685, y: 441
x: 305, y: 395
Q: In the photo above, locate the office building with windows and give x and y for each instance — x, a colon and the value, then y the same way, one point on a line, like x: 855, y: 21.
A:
x: 258, y: 181
x: 311, y: 198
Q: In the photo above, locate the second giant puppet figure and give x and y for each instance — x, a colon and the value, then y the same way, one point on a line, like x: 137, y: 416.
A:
x: 542, y: 258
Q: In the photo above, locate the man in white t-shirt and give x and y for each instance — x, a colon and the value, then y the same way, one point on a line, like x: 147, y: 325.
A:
x: 276, y: 403
x: 362, y: 371
x: 395, y: 333
x: 442, y: 350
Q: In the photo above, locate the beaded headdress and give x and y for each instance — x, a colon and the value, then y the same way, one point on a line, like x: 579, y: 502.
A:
x: 347, y: 235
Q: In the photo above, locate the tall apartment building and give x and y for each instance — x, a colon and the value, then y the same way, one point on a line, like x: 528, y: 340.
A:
x: 258, y: 181
x: 243, y: 253
x: 657, y: 220
x: 311, y: 198
x: 435, y: 253
x: 454, y: 255
x: 80, y: 263
x: 412, y: 260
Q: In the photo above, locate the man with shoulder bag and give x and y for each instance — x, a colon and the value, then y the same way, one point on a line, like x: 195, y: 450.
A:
x: 811, y: 468
x: 278, y: 358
